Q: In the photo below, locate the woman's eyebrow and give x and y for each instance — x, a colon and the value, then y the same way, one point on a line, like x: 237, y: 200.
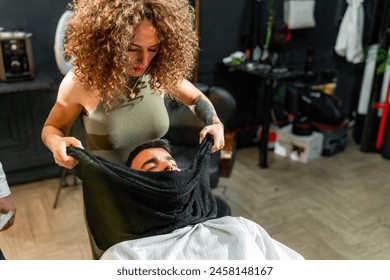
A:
x: 135, y: 45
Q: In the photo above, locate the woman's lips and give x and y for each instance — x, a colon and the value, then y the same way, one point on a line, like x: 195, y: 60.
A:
x: 138, y: 69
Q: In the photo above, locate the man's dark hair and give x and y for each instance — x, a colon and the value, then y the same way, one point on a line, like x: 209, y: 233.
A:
x: 156, y: 143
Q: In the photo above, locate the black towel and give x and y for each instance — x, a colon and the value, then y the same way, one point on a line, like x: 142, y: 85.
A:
x: 123, y: 204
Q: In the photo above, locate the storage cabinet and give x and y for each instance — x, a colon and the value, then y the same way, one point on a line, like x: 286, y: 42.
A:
x: 23, y: 112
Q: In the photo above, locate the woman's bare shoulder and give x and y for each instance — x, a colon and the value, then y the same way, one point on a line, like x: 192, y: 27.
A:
x: 71, y: 83
x: 74, y: 92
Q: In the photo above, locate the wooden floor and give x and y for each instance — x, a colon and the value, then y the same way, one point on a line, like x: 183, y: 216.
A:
x: 334, y: 207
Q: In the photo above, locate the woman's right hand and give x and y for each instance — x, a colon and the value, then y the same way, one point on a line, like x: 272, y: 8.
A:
x: 59, y: 151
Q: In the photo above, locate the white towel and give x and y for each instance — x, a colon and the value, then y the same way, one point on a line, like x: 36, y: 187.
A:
x: 299, y: 14
x: 349, y: 39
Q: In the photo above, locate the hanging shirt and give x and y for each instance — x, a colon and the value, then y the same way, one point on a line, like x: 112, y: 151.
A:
x: 349, y: 42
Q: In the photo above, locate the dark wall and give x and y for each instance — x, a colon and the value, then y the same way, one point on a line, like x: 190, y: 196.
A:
x: 39, y: 17
x: 27, y: 103
x: 223, y: 22
x: 221, y: 30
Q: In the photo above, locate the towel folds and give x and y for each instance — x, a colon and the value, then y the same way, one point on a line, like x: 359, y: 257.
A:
x: 123, y: 204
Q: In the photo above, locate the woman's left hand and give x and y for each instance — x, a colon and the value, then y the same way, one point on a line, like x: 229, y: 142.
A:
x: 216, y: 130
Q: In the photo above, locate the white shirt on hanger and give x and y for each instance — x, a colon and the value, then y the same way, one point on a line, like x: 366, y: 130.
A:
x: 349, y: 42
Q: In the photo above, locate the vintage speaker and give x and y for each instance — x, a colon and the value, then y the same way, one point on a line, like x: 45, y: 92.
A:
x: 16, y: 57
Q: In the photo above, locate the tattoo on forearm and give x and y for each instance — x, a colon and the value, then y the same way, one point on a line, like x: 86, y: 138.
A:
x: 204, y: 111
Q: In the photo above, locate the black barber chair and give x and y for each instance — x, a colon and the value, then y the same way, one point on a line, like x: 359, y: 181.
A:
x: 183, y: 135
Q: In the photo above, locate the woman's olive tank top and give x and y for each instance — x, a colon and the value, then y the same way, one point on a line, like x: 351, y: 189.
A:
x: 114, y: 133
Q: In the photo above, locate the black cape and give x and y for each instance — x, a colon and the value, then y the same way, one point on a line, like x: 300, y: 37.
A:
x: 123, y: 204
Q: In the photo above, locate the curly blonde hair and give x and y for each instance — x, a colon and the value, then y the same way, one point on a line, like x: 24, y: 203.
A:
x: 99, y: 33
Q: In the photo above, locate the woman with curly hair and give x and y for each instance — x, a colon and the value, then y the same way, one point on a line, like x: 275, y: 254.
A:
x: 126, y: 56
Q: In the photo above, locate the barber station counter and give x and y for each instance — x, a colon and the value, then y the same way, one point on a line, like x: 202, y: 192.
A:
x: 24, y: 107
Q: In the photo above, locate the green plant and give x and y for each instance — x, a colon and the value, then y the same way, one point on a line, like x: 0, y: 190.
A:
x: 382, y: 59
x: 270, y: 9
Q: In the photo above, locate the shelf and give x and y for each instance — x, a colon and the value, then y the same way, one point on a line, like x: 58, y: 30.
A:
x: 39, y: 82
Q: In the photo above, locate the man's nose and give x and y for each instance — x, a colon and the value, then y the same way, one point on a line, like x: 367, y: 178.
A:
x: 167, y: 165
